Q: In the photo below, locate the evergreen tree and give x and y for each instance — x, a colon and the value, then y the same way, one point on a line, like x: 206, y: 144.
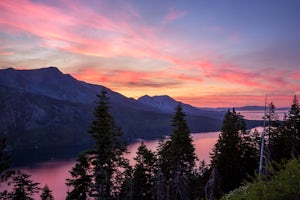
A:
x: 199, y: 179
x: 99, y: 172
x: 4, y: 159
x: 272, y: 124
x: 46, y: 193
x: 143, y: 173
x: 160, y: 192
x: 127, y: 192
x: 4, y: 165
x: 19, y: 184
x: 234, y: 155
x: 293, y: 126
x: 285, y: 143
x: 277, y: 137
x: 23, y: 187
x: 178, y: 157
x: 107, y: 156
x: 81, y: 179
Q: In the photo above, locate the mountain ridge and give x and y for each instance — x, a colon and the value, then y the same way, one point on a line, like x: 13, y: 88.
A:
x: 44, y: 107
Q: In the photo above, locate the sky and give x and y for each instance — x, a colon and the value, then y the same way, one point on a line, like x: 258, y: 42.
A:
x: 207, y: 53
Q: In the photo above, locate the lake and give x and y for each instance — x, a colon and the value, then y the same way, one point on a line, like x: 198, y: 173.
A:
x: 54, y: 173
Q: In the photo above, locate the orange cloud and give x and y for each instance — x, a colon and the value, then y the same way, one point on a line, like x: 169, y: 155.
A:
x: 111, y: 77
x: 220, y: 100
x: 90, y: 75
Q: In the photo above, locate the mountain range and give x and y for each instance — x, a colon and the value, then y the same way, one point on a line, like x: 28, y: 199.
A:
x: 46, y: 108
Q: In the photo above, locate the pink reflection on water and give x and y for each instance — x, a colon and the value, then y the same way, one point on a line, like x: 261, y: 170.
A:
x: 132, y: 148
x: 259, y: 114
x: 204, y: 144
x: 54, y: 173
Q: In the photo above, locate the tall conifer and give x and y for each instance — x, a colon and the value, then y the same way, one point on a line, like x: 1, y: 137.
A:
x: 80, y: 183
x: 178, y: 158
x: 98, y: 173
x: 4, y: 158
x: 107, y: 156
x: 23, y: 187
x: 46, y: 193
x: 234, y: 155
x: 294, y: 127
x: 143, y: 174
x: 285, y: 144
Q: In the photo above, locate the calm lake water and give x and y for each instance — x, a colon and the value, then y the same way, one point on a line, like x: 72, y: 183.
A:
x: 258, y: 114
x: 54, y: 173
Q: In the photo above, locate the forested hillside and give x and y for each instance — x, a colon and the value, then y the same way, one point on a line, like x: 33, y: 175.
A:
x: 44, y: 108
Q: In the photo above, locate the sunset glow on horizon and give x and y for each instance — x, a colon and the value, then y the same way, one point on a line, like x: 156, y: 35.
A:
x: 204, y: 53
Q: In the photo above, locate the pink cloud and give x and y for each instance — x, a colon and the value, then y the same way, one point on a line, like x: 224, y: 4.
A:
x: 102, y: 36
x: 267, y: 79
x: 133, y: 11
x: 133, y: 78
x: 4, y: 51
x: 63, y: 30
x: 33, y: 18
x: 296, y: 75
x: 174, y: 14
x: 189, y: 78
